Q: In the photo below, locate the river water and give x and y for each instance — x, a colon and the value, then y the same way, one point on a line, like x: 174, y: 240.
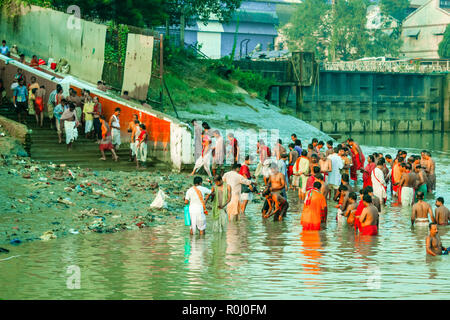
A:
x: 253, y: 259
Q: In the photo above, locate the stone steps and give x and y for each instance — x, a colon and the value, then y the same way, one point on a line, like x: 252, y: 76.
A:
x: 84, y: 153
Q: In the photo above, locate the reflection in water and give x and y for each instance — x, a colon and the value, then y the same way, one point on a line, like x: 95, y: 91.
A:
x: 311, y: 245
x: 253, y: 259
x: 237, y: 242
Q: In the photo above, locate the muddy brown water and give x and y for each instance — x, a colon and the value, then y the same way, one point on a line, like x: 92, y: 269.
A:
x: 253, y: 259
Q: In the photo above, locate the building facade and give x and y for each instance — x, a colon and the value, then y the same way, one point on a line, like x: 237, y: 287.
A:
x: 423, y: 30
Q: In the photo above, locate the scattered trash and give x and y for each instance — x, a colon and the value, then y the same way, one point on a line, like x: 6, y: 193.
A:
x: 48, y: 235
x: 66, y: 201
x: 159, y: 201
x: 73, y: 231
x: 15, y: 241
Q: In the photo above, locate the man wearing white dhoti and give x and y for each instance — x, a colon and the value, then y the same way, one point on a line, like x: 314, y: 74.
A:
x: 379, y: 182
x: 114, y: 124
x: 196, y: 197
x: 70, y: 121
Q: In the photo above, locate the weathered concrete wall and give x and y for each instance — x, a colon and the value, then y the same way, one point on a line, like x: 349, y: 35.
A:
x: 16, y: 130
x: 376, y: 102
x: 138, y: 65
x: 52, y: 34
x: 446, y: 104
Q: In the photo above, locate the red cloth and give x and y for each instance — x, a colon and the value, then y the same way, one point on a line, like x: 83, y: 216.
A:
x: 370, y: 230
x: 367, y: 179
x: 314, y: 211
x: 358, y: 212
x: 357, y: 164
x: 234, y: 146
x: 245, y: 171
x: 38, y: 105
x: 290, y: 171
x: 141, y: 135
x: 310, y: 183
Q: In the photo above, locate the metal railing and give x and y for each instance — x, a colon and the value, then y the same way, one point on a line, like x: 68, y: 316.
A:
x: 398, y: 66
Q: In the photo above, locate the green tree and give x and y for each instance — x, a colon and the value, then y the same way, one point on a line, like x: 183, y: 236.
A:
x: 394, y: 8
x: 444, y: 46
x: 139, y: 13
x: 339, y: 32
x: 307, y: 30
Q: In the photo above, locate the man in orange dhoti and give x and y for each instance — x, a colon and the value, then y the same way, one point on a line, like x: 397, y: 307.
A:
x: 315, y: 209
x: 396, y: 175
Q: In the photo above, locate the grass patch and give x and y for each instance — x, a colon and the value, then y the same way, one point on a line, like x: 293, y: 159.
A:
x: 196, y: 81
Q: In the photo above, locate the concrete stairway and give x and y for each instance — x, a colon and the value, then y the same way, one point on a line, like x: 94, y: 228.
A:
x: 85, y: 152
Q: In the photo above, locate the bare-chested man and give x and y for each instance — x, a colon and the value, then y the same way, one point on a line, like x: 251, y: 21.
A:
x: 369, y: 217
x: 375, y: 200
x: 441, y: 213
x: 324, y: 189
x: 325, y: 165
x: 351, y: 208
x: 407, y: 183
x: 420, y: 211
x: 430, y: 170
x: 422, y: 180
x: 433, y: 243
x: 277, y: 182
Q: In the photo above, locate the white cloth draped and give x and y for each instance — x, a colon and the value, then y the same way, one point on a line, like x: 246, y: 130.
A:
x: 378, y: 183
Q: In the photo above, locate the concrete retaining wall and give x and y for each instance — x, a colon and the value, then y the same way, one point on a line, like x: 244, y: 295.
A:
x: 16, y: 130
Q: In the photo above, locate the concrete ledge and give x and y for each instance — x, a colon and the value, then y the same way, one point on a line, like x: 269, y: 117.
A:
x: 414, y: 125
x: 386, y: 126
x: 403, y: 125
x: 327, y: 126
x: 427, y: 125
x: 358, y: 126
x: 17, y: 130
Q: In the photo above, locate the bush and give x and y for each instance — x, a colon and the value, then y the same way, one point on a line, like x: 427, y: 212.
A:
x: 252, y: 82
x: 444, y: 46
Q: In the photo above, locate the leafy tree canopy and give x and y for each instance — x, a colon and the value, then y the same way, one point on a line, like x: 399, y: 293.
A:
x: 444, y: 46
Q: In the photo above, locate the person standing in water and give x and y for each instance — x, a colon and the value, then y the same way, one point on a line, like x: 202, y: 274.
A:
x: 315, y: 209
x: 246, y: 193
x: 421, y: 211
x: 407, y: 183
x: 379, y: 181
x: 369, y: 217
x: 441, y: 213
x: 221, y: 192
x: 235, y: 181
x: 196, y: 197
x: 433, y: 242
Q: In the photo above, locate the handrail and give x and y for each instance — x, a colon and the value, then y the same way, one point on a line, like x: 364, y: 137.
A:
x: 196, y: 50
x: 406, y: 66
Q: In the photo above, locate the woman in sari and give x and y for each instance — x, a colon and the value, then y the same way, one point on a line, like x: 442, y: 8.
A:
x: 222, y: 196
x: 367, y: 171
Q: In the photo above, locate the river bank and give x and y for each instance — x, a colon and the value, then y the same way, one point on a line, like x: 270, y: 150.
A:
x: 45, y: 201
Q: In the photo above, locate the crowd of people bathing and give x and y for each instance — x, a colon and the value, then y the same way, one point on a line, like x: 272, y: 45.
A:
x: 320, y: 173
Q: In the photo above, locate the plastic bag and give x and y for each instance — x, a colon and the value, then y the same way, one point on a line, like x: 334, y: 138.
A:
x: 187, y: 216
x: 159, y: 201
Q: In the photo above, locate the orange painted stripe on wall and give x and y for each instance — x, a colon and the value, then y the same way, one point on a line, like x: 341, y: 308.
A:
x: 158, y: 129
